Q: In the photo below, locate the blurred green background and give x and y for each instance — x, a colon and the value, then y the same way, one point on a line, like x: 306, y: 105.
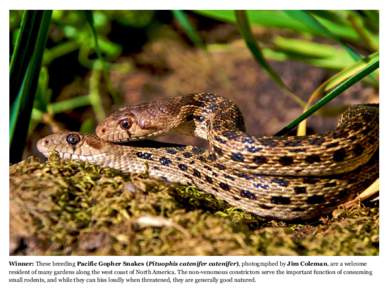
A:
x: 64, y: 64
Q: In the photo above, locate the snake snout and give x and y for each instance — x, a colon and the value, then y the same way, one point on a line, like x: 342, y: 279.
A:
x: 101, y: 131
x: 43, y: 145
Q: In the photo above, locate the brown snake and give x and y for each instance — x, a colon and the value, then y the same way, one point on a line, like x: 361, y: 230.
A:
x: 286, y: 178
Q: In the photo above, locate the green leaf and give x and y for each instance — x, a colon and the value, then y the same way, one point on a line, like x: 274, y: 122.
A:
x: 369, y: 65
x: 95, y: 98
x: 368, y: 39
x: 317, y: 54
x: 279, y: 19
x: 89, y: 18
x: 254, y: 47
x: 69, y: 104
x: 309, y: 21
x: 43, y: 93
x: 22, y: 52
x: 191, y: 32
x: 24, y: 90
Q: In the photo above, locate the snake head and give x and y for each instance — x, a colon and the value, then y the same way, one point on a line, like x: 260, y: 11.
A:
x: 134, y: 123
x: 69, y: 144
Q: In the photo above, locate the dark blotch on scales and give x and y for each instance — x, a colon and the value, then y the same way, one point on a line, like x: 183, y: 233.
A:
x: 259, y: 160
x: 196, y: 173
x: 300, y: 190
x: 280, y: 200
x: 144, y: 155
x: 315, y: 199
x: 286, y: 160
x: 313, y: 158
x: 224, y: 186
x: 183, y: 167
x: 165, y: 161
x: 248, y: 194
x: 339, y: 155
x: 236, y: 156
x: 280, y: 181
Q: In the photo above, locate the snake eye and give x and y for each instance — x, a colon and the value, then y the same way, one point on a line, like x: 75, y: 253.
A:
x: 73, y: 139
x: 125, y: 124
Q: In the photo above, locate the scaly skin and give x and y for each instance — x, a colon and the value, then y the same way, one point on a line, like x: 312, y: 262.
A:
x: 219, y: 121
x: 285, y: 178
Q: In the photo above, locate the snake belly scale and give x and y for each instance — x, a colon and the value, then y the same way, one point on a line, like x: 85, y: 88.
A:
x: 286, y: 178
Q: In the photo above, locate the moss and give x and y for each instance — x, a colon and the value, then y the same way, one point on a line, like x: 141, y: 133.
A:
x: 71, y: 208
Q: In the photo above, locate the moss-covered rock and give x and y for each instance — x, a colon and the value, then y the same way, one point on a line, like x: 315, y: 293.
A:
x: 71, y: 208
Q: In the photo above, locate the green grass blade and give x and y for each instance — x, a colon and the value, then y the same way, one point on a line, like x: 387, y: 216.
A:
x: 310, y: 21
x: 90, y: 20
x: 21, y: 108
x: 69, y: 104
x: 368, y: 68
x: 59, y: 50
x: 23, y: 48
x: 246, y: 32
x: 279, y: 19
x: 101, y: 63
x: 371, y: 19
x: 348, y: 72
x: 188, y: 28
x: 60, y: 107
x: 94, y: 91
x: 368, y: 39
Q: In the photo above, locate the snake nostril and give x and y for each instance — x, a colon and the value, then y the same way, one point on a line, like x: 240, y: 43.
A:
x: 46, y: 142
x: 103, y: 130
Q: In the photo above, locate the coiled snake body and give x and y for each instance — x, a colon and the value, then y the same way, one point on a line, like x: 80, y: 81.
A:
x: 286, y: 178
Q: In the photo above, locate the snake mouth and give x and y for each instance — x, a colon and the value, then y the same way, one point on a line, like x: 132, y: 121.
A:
x: 46, y: 147
x: 62, y: 155
x: 119, y: 138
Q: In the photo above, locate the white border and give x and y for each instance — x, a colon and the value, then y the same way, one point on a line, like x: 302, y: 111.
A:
x: 198, y: 4
x: 306, y: 288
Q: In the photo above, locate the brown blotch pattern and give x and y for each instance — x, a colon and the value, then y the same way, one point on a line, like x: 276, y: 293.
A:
x: 339, y: 155
x: 280, y: 200
x: 332, y: 145
x: 313, y: 158
x: 96, y: 144
x: 286, y: 160
x: 330, y: 184
x: 356, y: 126
x: 269, y: 142
x: 280, y: 181
x: 247, y: 194
x: 310, y: 180
x: 317, y: 141
x: 315, y: 199
x: 358, y: 149
x: 259, y: 160
x: 300, y: 190
x: 224, y: 186
x: 237, y: 156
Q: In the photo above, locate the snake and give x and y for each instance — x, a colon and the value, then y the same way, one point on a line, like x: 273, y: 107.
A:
x: 276, y: 177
